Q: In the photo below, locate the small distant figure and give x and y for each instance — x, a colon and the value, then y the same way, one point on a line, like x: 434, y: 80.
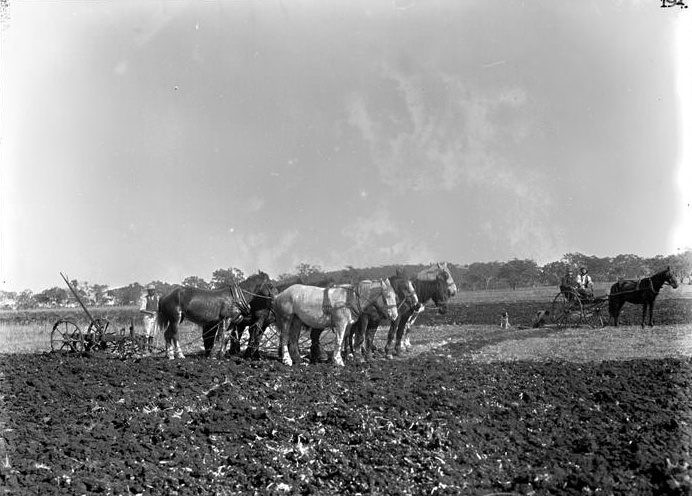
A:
x: 149, y: 307
x: 504, y: 320
x: 541, y: 318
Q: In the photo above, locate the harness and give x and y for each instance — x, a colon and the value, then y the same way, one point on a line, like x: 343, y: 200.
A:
x: 353, y: 301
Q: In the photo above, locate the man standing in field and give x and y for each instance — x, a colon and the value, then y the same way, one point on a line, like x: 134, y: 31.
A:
x: 149, y: 306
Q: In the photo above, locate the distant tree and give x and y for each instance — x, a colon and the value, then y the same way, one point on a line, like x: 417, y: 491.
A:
x: 82, y: 291
x: 552, y: 273
x: 519, y: 272
x: 8, y: 300
x: 53, y: 297
x: 307, y: 272
x: 224, y: 278
x: 128, y: 295
x: 26, y: 300
x: 481, y: 274
x: 350, y: 275
x: 629, y: 267
x: 196, y: 282
x: 680, y: 264
x: 100, y: 292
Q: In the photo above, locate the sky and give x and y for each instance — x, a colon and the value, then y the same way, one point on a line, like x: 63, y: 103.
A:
x: 154, y: 140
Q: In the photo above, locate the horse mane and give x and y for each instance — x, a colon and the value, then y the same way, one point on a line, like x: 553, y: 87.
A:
x: 430, y: 290
x: 254, y: 280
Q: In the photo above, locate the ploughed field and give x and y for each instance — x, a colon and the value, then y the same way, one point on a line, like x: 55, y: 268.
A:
x: 471, y: 408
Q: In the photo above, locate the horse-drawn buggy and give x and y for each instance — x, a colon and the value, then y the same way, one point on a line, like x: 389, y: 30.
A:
x: 574, y: 307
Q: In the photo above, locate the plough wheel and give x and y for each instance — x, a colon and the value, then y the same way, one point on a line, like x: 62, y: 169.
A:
x: 566, y: 311
x: 66, y: 336
x: 96, y: 332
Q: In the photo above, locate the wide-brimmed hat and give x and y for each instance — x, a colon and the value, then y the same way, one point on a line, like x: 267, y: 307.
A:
x: 151, y: 286
x: 584, y: 269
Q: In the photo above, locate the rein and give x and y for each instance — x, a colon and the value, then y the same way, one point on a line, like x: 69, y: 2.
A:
x: 256, y: 294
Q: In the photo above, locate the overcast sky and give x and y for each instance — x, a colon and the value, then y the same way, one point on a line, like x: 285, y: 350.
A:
x: 153, y: 140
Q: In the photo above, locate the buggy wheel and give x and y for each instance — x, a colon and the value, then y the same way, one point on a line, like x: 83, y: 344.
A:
x: 96, y: 333
x: 594, y: 317
x: 66, y: 336
x: 566, y: 310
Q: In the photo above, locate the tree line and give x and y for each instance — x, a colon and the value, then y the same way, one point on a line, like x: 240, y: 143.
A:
x: 510, y: 274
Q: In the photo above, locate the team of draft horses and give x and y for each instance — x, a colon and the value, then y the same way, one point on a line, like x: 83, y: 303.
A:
x: 353, y: 311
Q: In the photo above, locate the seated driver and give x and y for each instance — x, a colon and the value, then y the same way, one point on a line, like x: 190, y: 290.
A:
x: 568, y: 284
x: 584, y: 283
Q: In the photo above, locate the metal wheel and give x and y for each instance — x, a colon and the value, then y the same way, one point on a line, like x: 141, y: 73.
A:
x: 96, y: 333
x: 566, y: 310
x: 593, y: 315
x: 66, y: 336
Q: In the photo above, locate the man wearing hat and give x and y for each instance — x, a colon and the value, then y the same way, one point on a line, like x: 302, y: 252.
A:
x: 568, y: 283
x: 584, y: 282
x: 148, y: 307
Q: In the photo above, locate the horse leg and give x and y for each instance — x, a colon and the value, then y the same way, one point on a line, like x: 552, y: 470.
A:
x: 370, y: 341
x: 170, y: 336
x: 358, y: 337
x: 284, y: 332
x: 253, y: 340
x: 651, y: 313
x: 409, y: 320
x: 208, y: 336
x: 236, y: 335
x: 293, y: 338
x: 317, y: 354
x: 614, y: 308
x: 390, y: 341
x: 340, y: 328
x: 644, y: 307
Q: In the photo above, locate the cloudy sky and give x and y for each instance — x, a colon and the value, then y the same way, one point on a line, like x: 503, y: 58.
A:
x: 156, y: 140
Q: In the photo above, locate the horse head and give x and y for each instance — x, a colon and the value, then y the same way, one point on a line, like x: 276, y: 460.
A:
x: 404, y: 289
x: 379, y: 295
x: 670, y: 278
x: 445, y: 276
x: 389, y: 297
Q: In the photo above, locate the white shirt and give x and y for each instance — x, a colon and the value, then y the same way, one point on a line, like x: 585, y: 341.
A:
x: 584, y: 280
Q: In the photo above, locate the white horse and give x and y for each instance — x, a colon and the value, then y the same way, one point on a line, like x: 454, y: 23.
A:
x: 318, y: 308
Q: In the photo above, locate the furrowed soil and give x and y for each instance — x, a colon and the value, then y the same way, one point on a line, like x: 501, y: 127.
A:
x: 471, y: 409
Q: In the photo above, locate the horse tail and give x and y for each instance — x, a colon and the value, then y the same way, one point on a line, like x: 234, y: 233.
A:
x: 162, y: 319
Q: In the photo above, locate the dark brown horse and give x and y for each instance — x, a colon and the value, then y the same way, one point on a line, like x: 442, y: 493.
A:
x: 211, y: 309
x: 259, y: 291
x: 434, y: 283
x: 642, y: 292
x: 361, y: 335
